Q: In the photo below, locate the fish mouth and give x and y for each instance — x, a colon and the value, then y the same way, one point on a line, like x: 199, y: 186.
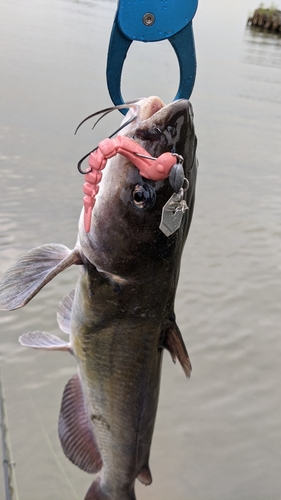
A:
x: 146, y: 108
x: 149, y: 107
x: 141, y: 111
x: 158, y: 127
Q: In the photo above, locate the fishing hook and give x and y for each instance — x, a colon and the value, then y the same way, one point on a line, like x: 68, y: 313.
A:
x: 93, y: 150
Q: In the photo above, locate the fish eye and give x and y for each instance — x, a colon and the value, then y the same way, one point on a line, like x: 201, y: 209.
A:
x: 143, y: 196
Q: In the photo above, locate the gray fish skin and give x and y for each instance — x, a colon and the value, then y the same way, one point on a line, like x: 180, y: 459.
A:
x: 121, y: 315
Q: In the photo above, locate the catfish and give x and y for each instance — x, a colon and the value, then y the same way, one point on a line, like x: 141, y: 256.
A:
x: 120, y: 317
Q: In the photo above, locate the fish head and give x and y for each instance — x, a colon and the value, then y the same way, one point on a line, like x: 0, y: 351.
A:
x: 125, y: 239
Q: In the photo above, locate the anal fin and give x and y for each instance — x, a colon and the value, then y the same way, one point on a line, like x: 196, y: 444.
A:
x: 76, y: 429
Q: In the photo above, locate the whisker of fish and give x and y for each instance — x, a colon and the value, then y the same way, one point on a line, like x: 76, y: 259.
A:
x: 105, y: 112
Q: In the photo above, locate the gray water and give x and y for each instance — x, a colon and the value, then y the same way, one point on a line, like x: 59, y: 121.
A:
x: 218, y: 435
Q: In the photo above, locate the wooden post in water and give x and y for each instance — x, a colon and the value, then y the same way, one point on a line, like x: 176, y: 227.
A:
x: 269, y: 19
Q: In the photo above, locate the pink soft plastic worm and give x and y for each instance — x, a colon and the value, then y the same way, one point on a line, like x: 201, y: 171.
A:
x: 154, y: 169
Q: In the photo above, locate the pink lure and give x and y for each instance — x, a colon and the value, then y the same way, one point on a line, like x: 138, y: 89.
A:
x: 150, y: 168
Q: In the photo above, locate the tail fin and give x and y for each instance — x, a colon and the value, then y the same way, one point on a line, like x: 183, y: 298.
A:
x: 95, y: 492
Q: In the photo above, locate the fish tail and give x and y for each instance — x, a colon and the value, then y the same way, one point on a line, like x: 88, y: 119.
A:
x: 96, y: 492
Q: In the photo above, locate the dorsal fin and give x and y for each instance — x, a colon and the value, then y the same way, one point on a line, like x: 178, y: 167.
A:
x: 64, y: 312
x: 33, y: 271
x: 173, y: 341
x: 76, y: 429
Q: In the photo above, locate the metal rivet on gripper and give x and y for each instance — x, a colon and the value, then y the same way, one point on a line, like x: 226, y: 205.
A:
x: 148, y: 19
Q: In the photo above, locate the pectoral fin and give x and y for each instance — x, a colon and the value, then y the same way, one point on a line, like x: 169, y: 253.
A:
x: 173, y: 341
x: 76, y: 430
x: 45, y: 341
x: 32, y: 272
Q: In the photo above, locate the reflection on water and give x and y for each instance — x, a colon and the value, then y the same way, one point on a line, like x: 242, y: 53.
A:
x: 217, y: 435
x: 263, y: 48
x: 262, y: 60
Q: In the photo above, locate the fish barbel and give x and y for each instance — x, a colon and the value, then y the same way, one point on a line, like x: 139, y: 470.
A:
x: 121, y: 315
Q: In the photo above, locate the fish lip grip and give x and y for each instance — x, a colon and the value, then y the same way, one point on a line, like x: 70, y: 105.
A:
x: 152, y: 21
